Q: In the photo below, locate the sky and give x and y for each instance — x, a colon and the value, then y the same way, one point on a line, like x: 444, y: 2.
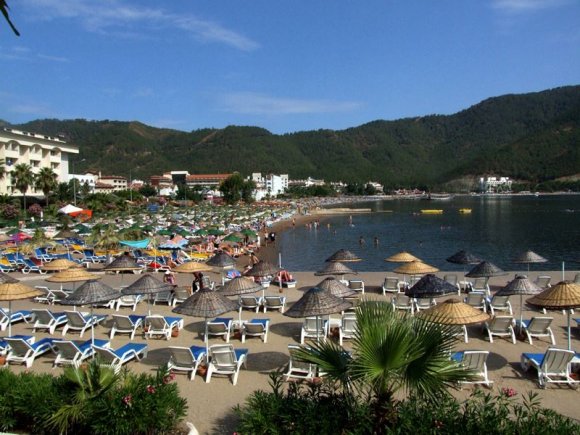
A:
x: 282, y: 65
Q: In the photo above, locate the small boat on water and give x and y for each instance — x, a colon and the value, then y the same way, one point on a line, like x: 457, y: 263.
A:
x: 431, y: 211
x: 439, y: 196
x: 465, y: 210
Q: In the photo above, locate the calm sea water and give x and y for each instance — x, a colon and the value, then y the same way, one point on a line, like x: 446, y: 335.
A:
x: 498, y: 229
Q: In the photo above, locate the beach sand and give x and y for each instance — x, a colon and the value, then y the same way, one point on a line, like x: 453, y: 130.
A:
x: 210, y: 405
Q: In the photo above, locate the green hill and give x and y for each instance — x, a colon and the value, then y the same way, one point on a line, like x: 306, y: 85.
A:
x: 533, y: 137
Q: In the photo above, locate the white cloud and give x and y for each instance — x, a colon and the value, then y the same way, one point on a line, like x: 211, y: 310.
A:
x: 518, y: 6
x: 24, y: 54
x: 118, y: 18
x: 254, y: 103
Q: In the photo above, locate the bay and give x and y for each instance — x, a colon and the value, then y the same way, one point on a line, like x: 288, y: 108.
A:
x: 498, y: 229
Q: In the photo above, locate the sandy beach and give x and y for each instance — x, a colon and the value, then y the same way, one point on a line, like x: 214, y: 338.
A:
x: 210, y: 405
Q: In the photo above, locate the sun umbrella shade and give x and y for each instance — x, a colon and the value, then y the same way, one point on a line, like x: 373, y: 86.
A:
x: 72, y: 275
x: 239, y: 286
x: 233, y: 238
x: 431, y: 286
x: 192, y: 267
x: 124, y: 262
x: 530, y: 257
x: 147, y: 284
x: 206, y: 303
x: 7, y: 279
x: 416, y: 268
x: 317, y: 302
x: 343, y: 256
x: 521, y: 285
x: 16, y: 291
x: 263, y: 268
x: 336, y: 288
x: 485, y: 269
x: 59, y: 265
x: 221, y: 259
x: 453, y: 312
x: 336, y: 268
x: 65, y: 234
x: 91, y: 292
x: 463, y: 257
x: 402, y: 257
x: 563, y: 295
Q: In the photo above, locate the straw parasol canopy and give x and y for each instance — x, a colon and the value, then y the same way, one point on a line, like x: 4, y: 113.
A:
x: 529, y: 257
x: 59, y: 265
x: 205, y: 303
x: 91, y: 292
x: 463, y: 257
x: 72, y: 275
x: 485, y: 269
x: 431, y: 286
x: 317, y: 302
x: 192, y: 267
x: 146, y: 285
x: 521, y: 285
x: 336, y: 268
x: 122, y: 263
x: 336, y: 288
x: 343, y: 256
x: 65, y: 234
x: 222, y: 260
x: 453, y: 312
x: 402, y: 257
x: 14, y: 291
x: 563, y: 296
x: 239, y: 286
x: 416, y: 267
x: 7, y: 279
x: 263, y: 268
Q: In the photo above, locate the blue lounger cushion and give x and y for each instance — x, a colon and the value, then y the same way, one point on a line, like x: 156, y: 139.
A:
x: 240, y: 352
x: 135, y: 318
x: 129, y: 347
x: 26, y: 338
x: 537, y: 358
x: 172, y: 320
x: 197, y: 351
x: 264, y: 322
x: 45, y: 342
x: 87, y: 344
x: 225, y: 320
x: 457, y: 357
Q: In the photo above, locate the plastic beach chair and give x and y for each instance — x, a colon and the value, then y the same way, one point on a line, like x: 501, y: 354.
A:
x: 126, y: 325
x: 163, y: 326
x: 298, y: 369
x: 116, y: 358
x: 256, y: 328
x: 81, y: 322
x: 502, y: 326
x: 45, y: 319
x: 475, y: 362
x: 220, y: 326
x: 538, y: 327
x: 552, y: 366
x: 70, y: 353
x: 11, y: 317
x: 225, y: 360
x: 186, y: 359
x: 21, y: 351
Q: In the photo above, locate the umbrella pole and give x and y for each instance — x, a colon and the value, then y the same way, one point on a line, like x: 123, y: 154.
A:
x: 568, y: 314
x: 563, y: 271
x: 9, y: 318
x: 206, y: 339
x: 521, y: 313
x: 92, y: 327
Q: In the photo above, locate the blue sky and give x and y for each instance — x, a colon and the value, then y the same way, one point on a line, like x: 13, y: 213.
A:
x: 282, y: 65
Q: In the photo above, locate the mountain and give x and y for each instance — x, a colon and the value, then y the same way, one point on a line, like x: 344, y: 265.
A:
x: 534, y: 137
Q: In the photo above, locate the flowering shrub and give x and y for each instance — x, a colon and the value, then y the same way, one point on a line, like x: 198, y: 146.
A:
x: 34, y: 210
x: 90, y: 400
x: 9, y: 211
x: 508, y: 392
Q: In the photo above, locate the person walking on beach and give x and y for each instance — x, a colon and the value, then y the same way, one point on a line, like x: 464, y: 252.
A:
x: 376, y: 241
x: 361, y: 241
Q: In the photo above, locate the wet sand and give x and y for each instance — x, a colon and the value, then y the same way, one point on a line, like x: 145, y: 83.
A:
x: 210, y: 405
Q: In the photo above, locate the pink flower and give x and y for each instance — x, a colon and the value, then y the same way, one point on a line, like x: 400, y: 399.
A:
x: 508, y: 392
x: 150, y: 389
x: 127, y: 399
x: 167, y: 379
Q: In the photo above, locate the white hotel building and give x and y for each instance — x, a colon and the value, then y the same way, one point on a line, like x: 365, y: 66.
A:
x: 38, y: 151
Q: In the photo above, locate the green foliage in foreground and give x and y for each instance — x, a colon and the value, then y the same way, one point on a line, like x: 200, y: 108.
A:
x: 90, y: 400
x: 319, y: 408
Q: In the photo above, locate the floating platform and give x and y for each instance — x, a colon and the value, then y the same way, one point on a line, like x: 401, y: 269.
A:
x: 465, y: 210
x: 431, y: 211
x: 340, y: 210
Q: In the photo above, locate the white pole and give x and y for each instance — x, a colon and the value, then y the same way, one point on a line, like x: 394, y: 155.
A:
x: 569, y: 312
x: 563, y: 271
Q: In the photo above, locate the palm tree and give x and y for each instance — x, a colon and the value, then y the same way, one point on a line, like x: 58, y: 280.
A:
x: 389, y: 353
x: 4, y: 10
x: 46, y: 180
x: 22, y: 178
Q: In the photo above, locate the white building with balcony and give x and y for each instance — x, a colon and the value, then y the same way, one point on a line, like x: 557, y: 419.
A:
x: 38, y: 151
x: 495, y: 184
x: 270, y: 185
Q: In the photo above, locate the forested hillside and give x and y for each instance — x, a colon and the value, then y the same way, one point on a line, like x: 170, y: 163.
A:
x: 533, y: 137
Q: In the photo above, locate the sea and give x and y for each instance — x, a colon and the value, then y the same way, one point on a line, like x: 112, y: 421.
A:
x: 498, y: 229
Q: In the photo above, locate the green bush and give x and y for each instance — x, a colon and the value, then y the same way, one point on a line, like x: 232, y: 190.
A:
x: 304, y: 408
x: 316, y: 408
x: 90, y: 400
